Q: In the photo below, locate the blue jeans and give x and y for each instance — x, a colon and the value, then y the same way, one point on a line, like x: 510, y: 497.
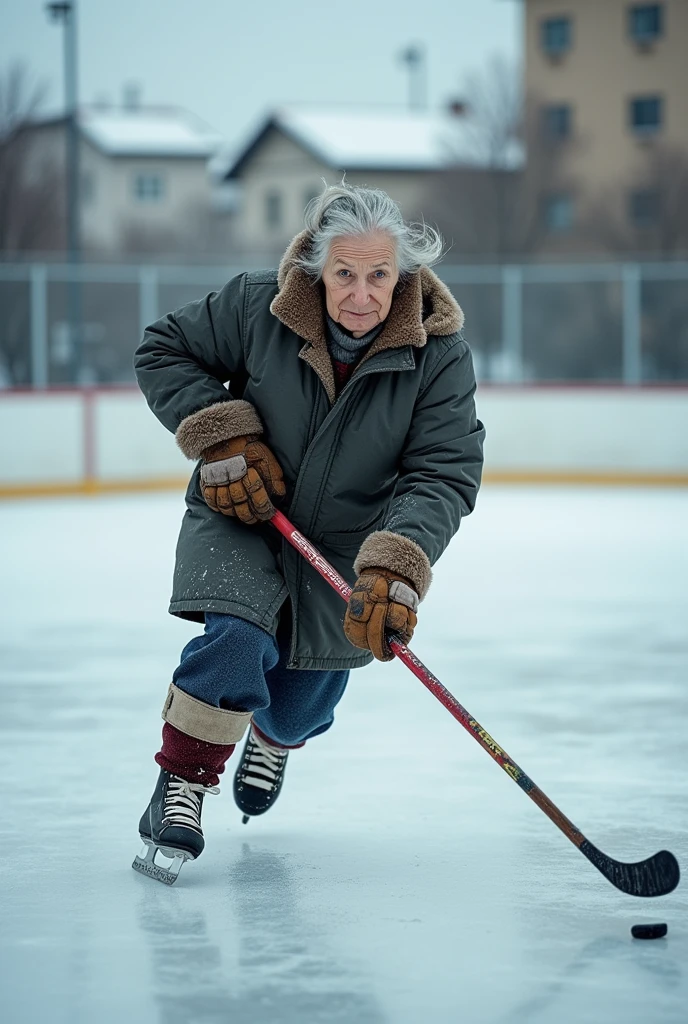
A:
x: 239, y: 666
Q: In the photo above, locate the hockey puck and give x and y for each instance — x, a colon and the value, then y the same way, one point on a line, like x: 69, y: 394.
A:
x: 649, y: 931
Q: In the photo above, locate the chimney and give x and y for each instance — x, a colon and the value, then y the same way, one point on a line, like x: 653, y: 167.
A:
x: 457, y: 108
x: 131, y: 96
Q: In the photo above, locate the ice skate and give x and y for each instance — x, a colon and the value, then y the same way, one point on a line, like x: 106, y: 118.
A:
x: 170, y: 827
x: 258, y: 779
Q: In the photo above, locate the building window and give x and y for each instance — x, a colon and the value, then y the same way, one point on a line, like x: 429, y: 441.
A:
x: 646, y: 22
x: 556, y: 36
x: 643, y: 207
x: 557, y: 121
x: 559, y: 213
x: 273, y: 209
x: 646, y: 114
x: 149, y: 187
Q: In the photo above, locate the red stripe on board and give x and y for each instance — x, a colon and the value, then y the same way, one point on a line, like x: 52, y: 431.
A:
x: 89, y: 421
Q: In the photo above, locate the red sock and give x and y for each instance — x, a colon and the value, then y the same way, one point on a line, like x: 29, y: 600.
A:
x: 191, y: 759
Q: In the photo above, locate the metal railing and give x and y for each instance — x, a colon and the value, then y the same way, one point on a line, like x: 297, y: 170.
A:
x: 624, y: 323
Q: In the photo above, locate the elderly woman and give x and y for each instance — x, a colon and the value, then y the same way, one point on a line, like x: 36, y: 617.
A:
x: 340, y: 389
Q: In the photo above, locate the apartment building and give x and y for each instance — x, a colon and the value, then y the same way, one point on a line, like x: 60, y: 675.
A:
x: 610, y: 78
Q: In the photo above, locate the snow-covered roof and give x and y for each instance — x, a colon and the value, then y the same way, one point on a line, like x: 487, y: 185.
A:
x: 148, y: 131
x: 365, y: 139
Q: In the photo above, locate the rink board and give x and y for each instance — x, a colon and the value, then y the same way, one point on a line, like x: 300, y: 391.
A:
x: 95, y: 440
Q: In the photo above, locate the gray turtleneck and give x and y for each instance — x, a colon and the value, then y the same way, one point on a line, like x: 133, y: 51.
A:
x: 343, y: 346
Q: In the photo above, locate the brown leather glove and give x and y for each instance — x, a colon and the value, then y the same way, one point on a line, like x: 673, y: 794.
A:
x: 237, y: 477
x: 381, y: 600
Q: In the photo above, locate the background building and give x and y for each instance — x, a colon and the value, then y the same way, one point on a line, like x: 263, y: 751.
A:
x: 610, y: 80
x: 284, y: 164
x: 145, y: 178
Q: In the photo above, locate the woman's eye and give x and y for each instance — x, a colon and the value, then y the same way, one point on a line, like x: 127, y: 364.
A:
x: 380, y: 274
x: 343, y: 273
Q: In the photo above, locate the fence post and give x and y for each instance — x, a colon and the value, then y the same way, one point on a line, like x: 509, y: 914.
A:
x: 632, y: 313
x: 39, y: 325
x: 148, y: 297
x: 512, y: 321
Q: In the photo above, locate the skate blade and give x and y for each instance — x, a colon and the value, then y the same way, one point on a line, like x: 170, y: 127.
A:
x: 160, y: 862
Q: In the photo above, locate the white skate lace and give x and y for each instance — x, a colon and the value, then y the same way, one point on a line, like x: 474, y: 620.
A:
x: 183, y: 804
x: 265, y: 762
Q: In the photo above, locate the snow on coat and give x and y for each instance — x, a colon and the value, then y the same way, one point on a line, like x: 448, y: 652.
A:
x: 379, y: 475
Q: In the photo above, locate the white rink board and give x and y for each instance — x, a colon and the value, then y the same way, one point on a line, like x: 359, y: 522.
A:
x: 111, y: 435
x: 131, y: 443
x: 41, y: 438
x: 585, y: 430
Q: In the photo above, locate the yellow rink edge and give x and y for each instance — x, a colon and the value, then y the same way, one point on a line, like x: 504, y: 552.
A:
x: 544, y: 477
x: 92, y: 487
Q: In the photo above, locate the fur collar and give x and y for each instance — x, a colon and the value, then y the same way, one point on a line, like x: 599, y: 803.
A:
x: 423, y: 307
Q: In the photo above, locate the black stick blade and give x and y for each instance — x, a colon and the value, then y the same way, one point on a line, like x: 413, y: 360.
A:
x: 655, y: 876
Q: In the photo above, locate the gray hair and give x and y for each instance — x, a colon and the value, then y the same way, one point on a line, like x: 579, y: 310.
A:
x: 356, y: 210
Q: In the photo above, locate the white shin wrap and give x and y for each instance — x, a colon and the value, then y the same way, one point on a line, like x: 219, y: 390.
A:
x: 195, y: 718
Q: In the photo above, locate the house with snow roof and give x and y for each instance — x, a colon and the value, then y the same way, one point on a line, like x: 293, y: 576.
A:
x: 144, y: 172
x: 283, y: 164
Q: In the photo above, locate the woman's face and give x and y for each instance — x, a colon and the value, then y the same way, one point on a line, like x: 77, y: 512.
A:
x: 359, y: 278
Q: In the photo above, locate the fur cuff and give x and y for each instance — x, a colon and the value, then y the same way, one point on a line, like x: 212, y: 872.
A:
x: 219, y: 422
x: 386, y: 550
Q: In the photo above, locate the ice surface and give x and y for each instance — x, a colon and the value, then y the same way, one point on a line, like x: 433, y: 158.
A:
x: 401, y: 877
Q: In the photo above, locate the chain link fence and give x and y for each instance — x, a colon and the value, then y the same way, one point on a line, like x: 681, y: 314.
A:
x: 619, y: 323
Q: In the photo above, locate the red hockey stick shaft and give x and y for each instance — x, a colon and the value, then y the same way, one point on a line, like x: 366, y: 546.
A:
x: 655, y: 876
x: 472, y: 725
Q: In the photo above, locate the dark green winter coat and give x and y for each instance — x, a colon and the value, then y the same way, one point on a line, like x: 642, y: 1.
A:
x: 378, y: 476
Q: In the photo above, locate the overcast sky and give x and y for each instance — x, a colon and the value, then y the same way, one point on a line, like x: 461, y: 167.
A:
x: 231, y: 62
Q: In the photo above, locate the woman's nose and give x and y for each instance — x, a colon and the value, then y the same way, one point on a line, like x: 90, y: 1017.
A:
x: 361, y: 295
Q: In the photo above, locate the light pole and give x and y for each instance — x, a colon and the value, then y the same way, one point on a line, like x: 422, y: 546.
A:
x: 66, y: 14
x: 414, y: 58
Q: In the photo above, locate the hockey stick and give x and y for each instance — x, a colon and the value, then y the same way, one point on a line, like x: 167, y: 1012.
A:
x: 656, y: 876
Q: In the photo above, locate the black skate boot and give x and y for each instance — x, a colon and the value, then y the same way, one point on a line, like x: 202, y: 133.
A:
x: 258, y: 779
x: 170, y: 827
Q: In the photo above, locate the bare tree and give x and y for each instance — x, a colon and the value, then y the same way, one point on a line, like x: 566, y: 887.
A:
x: 30, y: 212
x: 646, y: 215
x: 647, y: 212
x: 489, y: 201
x: 494, y: 114
x: 30, y: 207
